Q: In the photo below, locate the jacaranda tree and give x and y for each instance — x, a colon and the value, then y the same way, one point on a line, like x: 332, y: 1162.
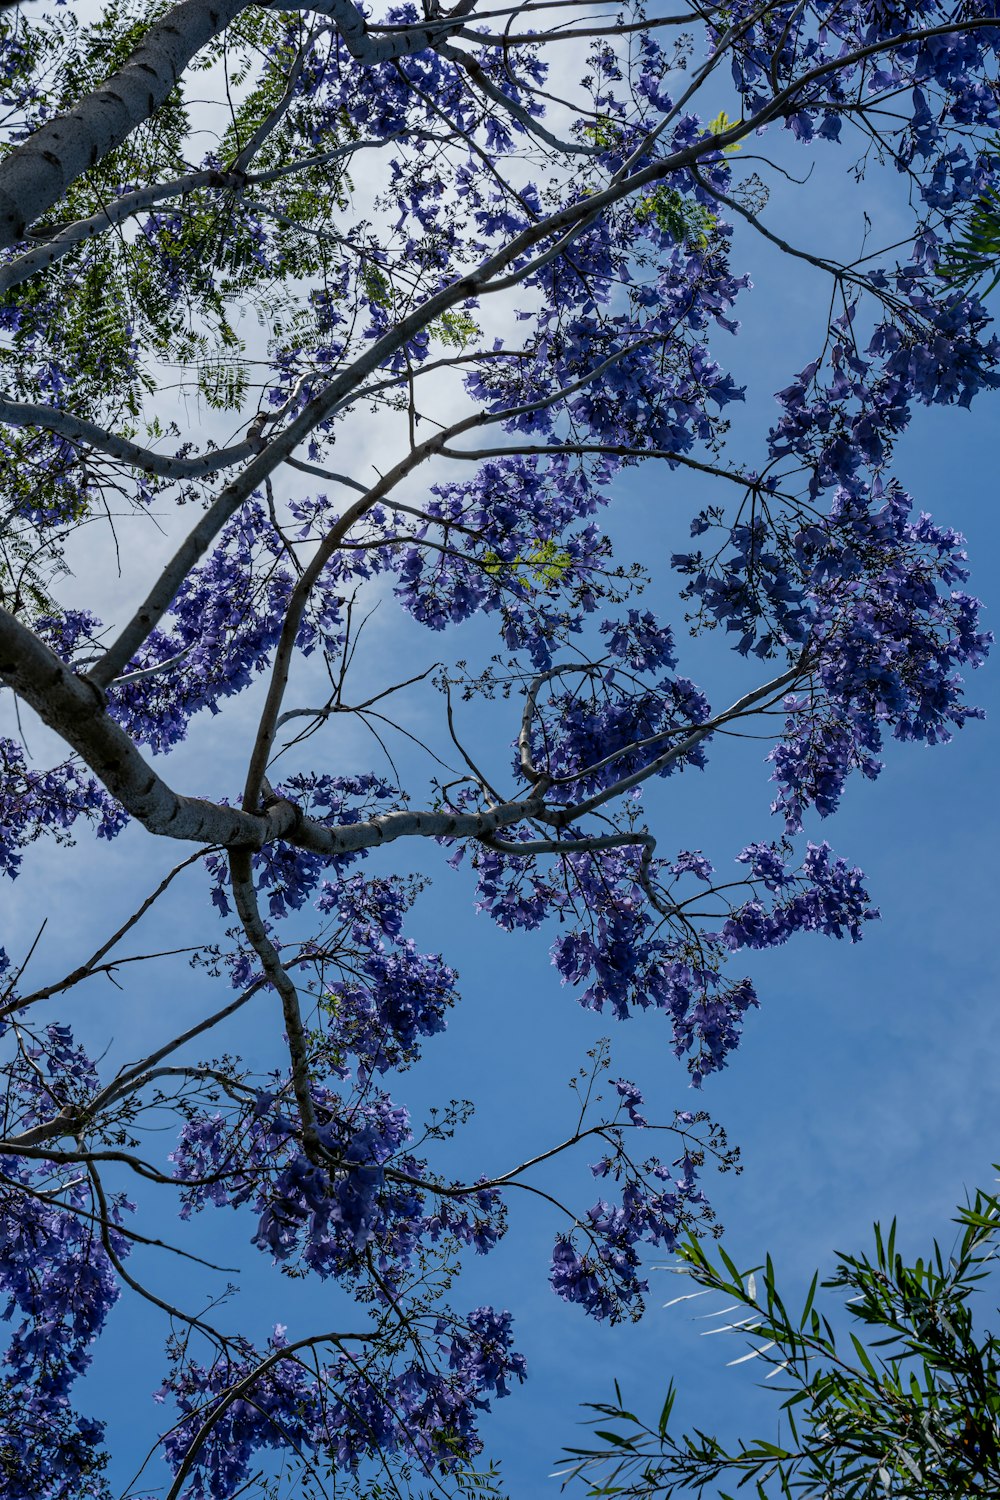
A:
x: 500, y: 237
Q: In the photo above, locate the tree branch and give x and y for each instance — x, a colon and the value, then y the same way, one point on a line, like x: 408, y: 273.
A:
x: 80, y: 430
x: 36, y: 175
x: 241, y: 869
x: 736, y: 710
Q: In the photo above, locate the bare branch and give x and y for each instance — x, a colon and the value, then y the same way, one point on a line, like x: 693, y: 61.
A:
x: 246, y: 904
x: 80, y: 431
x: 239, y: 1389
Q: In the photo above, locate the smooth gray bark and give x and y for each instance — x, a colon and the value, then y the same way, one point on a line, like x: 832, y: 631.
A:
x: 74, y: 708
x: 36, y: 176
x: 88, y: 434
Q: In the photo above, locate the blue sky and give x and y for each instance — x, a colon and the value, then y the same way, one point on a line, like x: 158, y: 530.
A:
x: 866, y: 1085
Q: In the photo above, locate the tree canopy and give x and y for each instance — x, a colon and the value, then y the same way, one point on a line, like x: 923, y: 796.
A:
x: 310, y: 306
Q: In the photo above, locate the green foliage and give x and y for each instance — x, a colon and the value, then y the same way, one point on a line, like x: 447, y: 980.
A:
x: 687, y: 222
x: 910, y: 1412
x: 540, y: 570
x: 23, y: 585
x: 974, y: 253
x: 673, y: 214
x: 719, y: 126
x: 223, y: 381
x: 484, y: 1483
x: 456, y: 330
x: 376, y: 285
x: 604, y: 132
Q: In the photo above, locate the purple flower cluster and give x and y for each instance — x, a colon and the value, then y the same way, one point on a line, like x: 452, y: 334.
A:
x: 618, y: 952
x: 656, y: 1206
x: 594, y: 728
x: 367, y: 1196
x: 38, y: 803
x: 892, y: 632
x: 826, y: 897
x: 224, y: 622
x: 787, y: 39
x: 532, y: 563
x: 348, y: 1409
x: 57, y: 1287
x: 622, y: 957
